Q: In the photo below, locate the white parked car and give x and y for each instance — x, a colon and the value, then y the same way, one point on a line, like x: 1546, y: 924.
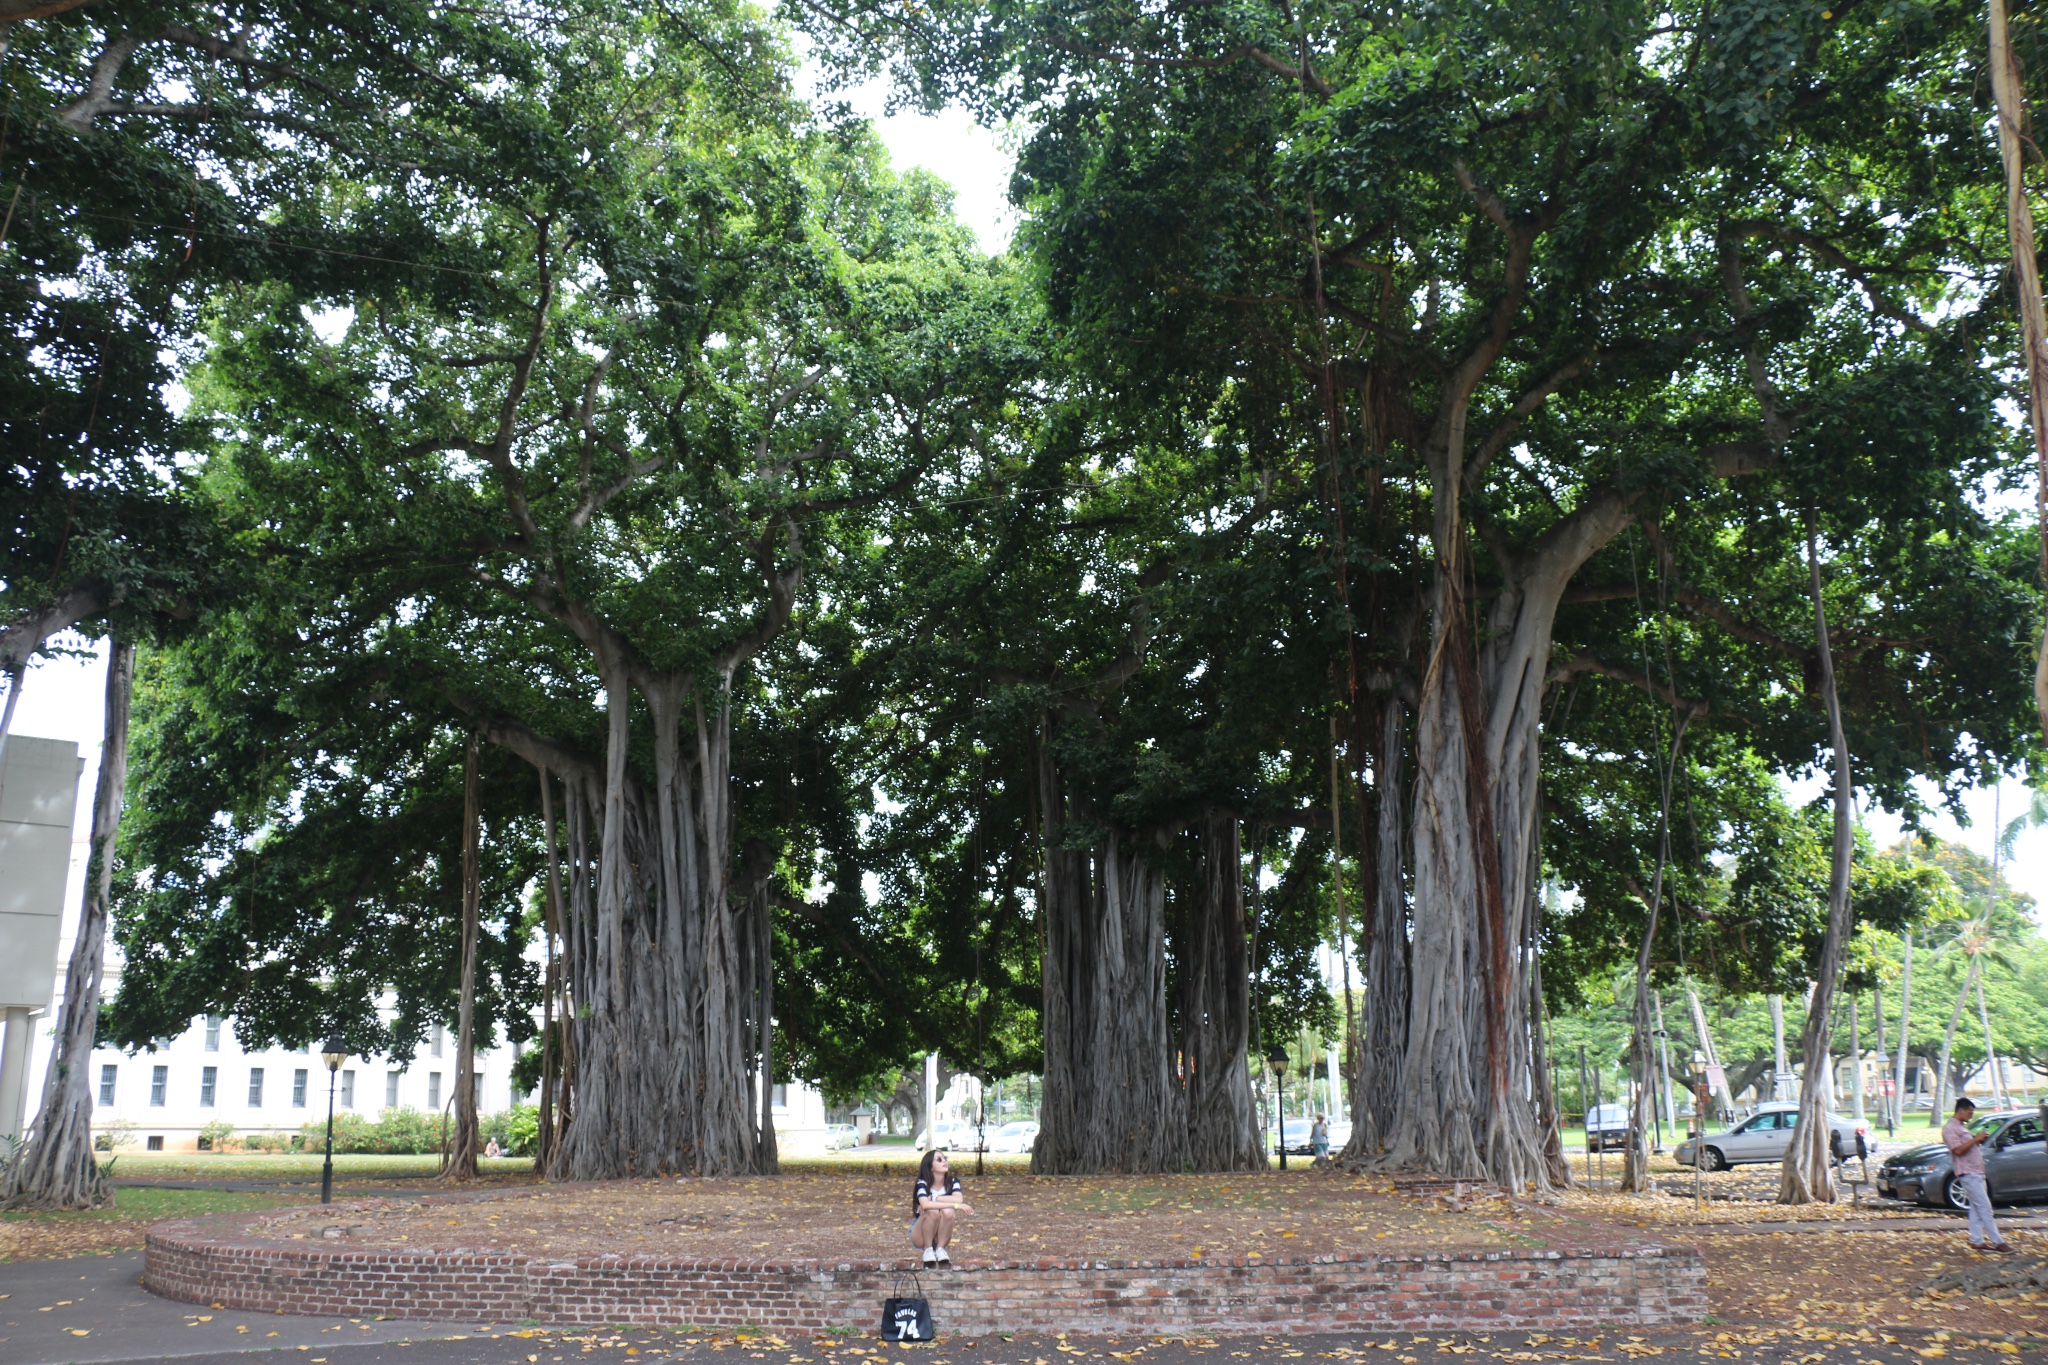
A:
x: 947, y: 1134
x: 839, y: 1136
x: 1014, y: 1137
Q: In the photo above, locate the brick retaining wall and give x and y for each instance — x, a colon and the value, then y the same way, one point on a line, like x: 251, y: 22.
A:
x: 210, y: 1261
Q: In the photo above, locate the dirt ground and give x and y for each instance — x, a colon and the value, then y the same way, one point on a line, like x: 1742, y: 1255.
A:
x: 1855, y: 1272
x: 1014, y: 1218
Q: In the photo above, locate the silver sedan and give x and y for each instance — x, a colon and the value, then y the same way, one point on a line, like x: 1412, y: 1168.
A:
x: 1764, y: 1137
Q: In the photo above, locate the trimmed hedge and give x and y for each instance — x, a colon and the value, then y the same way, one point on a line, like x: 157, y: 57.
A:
x: 413, y: 1132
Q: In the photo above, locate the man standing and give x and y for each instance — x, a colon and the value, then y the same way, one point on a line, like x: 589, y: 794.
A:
x: 1966, y: 1153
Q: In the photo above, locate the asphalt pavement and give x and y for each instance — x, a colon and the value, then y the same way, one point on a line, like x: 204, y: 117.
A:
x: 93, y: 1309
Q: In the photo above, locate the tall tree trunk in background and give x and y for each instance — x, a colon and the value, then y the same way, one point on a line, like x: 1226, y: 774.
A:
x: 1376, y: 1083
x: 1856, y: 1056
x: 1350, y: 1066
x: 14, y: 679
x: 1808, y: 1173
x: 1998, y: 1095
x: 1779, y: 1064
x: 55, y: 1168
x: 1905, y: 1033
x: 1635, y: 1166
x: 1547, y: 1115
x: 1943, y: 1071
x: 462, y: 1158
x: 1214, y: 970
x: 1110, y: 1101
x: 759, y: 956
x: 550, y: 1049
x: 15, y: 675
x: 1699, y: 1023
x: 2019, y: 224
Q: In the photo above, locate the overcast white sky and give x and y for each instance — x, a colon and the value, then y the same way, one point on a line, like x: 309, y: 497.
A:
x: 954, y: 147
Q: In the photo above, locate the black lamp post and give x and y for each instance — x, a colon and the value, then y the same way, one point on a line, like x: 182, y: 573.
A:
x: 333, y: 1052
x: 1277, y: 1059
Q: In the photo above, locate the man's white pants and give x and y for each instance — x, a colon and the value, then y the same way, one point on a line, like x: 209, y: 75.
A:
x: 1983, y: 1231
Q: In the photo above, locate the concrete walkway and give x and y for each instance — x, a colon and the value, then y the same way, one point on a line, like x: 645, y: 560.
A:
x: 94, y: 1308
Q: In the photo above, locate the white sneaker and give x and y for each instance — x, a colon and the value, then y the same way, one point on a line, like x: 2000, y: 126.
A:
x: 944, y: 1259
x: 931, y: 1256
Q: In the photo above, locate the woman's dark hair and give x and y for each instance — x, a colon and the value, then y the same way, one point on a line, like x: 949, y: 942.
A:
x: 924, y: 1173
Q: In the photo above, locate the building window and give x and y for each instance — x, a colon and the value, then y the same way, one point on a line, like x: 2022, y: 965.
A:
x: 433, y: 1090
x: 299, y: 1088
x: 107, y: 1083
x: 213, y: 1033
x: 207, y: 1076
x: 159, y: 1081
x: 255, y: 1087
x: 348, y: 1089
x: 155, y: 1142
x: 391, y: 1090
x: 436, y: 1042
x: 778, y: 1096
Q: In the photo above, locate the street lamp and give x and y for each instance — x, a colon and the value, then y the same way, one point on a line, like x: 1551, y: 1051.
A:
x: 333, y: 1052
x: 1277, y: 1059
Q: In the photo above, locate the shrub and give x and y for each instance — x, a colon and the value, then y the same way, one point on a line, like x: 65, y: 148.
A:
x: 270, y: 1142
x: 114, y: 1135
x: 217, y: 1136
x: 516, y: 1129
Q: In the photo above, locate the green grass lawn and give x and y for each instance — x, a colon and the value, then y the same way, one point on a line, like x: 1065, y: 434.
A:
x: 290, y: 1166
x: 150, y: 1205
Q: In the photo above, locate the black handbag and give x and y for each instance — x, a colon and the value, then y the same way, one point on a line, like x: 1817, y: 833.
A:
x: 907, y: 1317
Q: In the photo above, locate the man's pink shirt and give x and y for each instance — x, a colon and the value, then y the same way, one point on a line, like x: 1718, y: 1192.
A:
x: 1954, y: 1135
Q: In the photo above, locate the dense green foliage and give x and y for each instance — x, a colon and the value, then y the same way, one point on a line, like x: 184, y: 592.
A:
x: 541, y: 371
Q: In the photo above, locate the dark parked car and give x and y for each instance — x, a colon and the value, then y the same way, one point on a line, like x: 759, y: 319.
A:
x: 2015, y: 1164
x: 1607, y: 1126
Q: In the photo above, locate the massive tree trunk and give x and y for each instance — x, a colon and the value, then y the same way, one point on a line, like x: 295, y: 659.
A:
x: 1213, y: 965
x: 1111, y: 1103
x: 1808, y: 1174
x: 55, y: 1168
x: 665, y: 1003
x: 1466, y: 1103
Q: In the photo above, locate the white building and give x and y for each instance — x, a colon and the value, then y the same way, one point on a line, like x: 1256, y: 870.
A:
x: 160, y: 1100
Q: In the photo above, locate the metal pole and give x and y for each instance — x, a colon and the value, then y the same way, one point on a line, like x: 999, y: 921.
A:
x: 1277, y: 1062
x: 327, y: 1167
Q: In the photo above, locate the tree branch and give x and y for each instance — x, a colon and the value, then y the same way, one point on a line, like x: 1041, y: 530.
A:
x: 78, y: 600
x: 1834, y: 256
x: 99, y: 90
x: 1582, y: 663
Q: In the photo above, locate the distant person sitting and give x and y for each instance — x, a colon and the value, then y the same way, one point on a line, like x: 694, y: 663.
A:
x: 1966, y: 1155
x: 935, y: 1202
x: 493, y: 1149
